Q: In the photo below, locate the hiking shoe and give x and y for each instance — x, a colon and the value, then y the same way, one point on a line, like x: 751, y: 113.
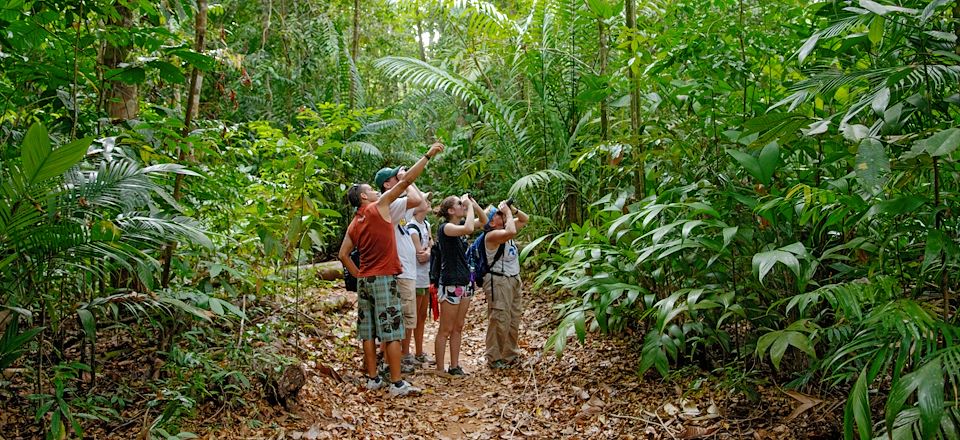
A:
x: 375, y: 384
x: 498, y: 364
x: 456, y: 371
x: 424, y: 360
x: 410, y: 359
x: 403, y: 389
x: 407, y: 368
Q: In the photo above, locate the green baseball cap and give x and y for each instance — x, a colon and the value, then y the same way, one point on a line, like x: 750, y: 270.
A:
x: 384, y: 175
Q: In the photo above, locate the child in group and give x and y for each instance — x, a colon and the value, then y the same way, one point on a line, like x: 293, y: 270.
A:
x: 461, y: 216
x: 419, y: 229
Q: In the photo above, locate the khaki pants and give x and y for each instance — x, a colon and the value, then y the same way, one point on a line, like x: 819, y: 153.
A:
x: 504, y: 310
x: 408, y: 300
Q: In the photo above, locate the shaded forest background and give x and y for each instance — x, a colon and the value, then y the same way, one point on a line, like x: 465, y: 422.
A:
x: 763, y: 189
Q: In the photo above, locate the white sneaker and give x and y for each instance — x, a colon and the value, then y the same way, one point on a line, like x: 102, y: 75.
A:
x: 375, y: 384
x: 404, y: 389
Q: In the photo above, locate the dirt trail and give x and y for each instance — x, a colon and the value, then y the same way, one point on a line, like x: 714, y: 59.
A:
x: 483, y: 404
x: 591, y: 392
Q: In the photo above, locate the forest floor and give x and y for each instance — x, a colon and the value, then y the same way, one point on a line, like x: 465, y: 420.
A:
x: 591, y: 391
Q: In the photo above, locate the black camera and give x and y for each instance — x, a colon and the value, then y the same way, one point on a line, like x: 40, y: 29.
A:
x: 510, y: 201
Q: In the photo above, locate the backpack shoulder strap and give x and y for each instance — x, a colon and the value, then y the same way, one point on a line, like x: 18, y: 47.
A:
x: 412, y: 225
x: 498, y: 255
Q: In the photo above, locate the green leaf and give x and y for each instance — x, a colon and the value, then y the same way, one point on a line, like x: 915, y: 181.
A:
x: 931, y: 8
x: 195, y: 59
x: 897, y: 206
x: 604, y: 9
x: 764, y: 261
x: 769, y: 159
x: 41, y: 163
x: 530, y: 247
x: 928, y: 382
x: 778, y: 342
x: 35, y: 150
x: 942, y: 143
x: 12, y: 342
x: 930, y: 397
x: 129, y: 75
x: 880, y: 102
x: 874, y: 7
x: 935, y: 243
x: 168, y: 72
x: 89, y: 324
x: 215, y: 306
x: 875, y: 33
x: 858, y: 406
x: 728, y: 234
x: 873, y: 165
x: 808, y: 47
x: 749, y: 163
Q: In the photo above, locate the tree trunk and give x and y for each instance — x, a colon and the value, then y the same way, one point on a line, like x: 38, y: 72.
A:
x: 638, y: 162
x: 266, y: 24
x: 120, y: 99
x: 355, y: 48
x: 604, y: 123
x: 420, y: 45
x: 574, y: 85
x: 956, y: 22
x: 193, y: 103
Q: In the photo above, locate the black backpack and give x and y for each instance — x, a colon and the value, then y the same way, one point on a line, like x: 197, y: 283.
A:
x: 435, y: 257
x: 348, y: 279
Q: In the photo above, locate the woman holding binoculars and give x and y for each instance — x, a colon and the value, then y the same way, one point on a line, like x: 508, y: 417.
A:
x: 502, y: 284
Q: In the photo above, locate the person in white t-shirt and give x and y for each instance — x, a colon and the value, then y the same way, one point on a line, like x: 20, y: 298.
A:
x: 400, y: 210
x: 419, y: 229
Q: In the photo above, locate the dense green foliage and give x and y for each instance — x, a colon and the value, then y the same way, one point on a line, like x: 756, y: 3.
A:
x: 739, y: 180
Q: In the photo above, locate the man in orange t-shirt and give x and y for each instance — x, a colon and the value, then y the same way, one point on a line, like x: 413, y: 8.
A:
x: 379, y: 309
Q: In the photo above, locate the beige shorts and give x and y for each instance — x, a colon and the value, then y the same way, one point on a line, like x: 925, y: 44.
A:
x: 408, y: 298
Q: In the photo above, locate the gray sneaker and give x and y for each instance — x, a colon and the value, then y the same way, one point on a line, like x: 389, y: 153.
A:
x: 404, y: 389
x: 407, y: 368
x: 424, y: 360
x: 456, y: 371
x: 375, y: 384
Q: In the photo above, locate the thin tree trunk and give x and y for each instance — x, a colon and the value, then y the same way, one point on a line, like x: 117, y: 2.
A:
x: 355, y: 46
x: 193, y: 103
x: 743, y: 59
x: 574, y: 85
x: 355, y: 49
x: 266, y: 24
x: 120, y: 100
x: 604, y: 122
x: 956, y: 22
x: 639, y: 173
x: 420, y: 45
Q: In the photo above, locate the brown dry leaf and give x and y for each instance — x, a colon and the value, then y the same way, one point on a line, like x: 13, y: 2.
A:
x: 806, y: 402
x: 595, y: 401
x: 326, y: 371
x: 694, y: 432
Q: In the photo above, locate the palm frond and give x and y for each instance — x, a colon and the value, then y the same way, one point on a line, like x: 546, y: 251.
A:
x: 534, y: 181
x: 375, y: 127
x: 493, y: 111
x: 366, y: 148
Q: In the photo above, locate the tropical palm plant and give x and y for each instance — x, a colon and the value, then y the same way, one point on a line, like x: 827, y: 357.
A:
x: 69, y: 217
